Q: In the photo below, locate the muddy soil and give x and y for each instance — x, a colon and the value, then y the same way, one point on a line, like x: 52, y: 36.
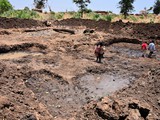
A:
x: 47, y: 75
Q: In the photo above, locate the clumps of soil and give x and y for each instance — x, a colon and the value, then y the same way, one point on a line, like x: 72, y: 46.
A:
x: 90, y: 24
x: 64, y: 31
x: 20, y: 47
x: 124, y: 40
x: 16, y: 100
x: 4, y: 32
x: 110, y: 108
x: 7, y: 23
x: 88, y: 31
x: 120, y: 109
x: 97, y: 69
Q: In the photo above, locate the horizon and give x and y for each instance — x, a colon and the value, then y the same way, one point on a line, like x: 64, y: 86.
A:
x: 95, y: 5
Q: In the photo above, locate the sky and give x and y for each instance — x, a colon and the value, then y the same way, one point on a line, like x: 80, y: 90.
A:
x: 68, y: 5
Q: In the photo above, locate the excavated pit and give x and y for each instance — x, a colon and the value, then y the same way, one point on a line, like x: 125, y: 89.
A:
x: 64, y: 99
x: 58, y: 85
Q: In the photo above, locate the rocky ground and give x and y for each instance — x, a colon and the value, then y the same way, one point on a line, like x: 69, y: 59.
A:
x: 50, y: 75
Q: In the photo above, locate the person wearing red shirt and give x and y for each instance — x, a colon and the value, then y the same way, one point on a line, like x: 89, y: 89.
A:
x: 99, y: 51
x: 144, y: 49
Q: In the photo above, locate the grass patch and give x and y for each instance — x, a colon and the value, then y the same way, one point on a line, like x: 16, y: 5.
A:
x: 59, y: 15
x: 76, y: 15
x: 133, y: 18
x: 96, y: 16
x: 25, y: 14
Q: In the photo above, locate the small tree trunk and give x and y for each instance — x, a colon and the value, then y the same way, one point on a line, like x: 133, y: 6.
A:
x: 125, y: 16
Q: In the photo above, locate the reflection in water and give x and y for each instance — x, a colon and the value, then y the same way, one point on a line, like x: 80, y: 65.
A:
x: 14, y: 55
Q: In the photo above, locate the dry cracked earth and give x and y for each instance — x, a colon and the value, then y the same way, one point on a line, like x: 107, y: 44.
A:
x: 47, y: 74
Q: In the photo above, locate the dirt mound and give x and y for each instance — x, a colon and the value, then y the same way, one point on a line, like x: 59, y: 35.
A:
x: 20, y: 47
x: 98, y: 25
x: 145, y: 30
x: 140, y: 30
x: 7, y: 23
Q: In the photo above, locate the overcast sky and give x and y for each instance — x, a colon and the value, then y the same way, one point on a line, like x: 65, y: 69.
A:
x: 104, y: 5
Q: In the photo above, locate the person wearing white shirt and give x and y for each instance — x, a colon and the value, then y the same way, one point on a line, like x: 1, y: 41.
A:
x: 151, y: 48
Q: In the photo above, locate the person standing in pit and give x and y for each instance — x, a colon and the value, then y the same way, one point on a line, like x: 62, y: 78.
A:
x: 99, y: 52
x: 151, y: 48
x: 144, y: 48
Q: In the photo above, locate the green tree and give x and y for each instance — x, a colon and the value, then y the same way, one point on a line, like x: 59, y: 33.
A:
x: 126, y: 6
x: 39, y: 4
x: 156, y: 8
x: 5, y: 5
x: 82, y: 4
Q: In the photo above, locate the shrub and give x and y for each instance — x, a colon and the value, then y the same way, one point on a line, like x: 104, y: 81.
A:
x: 26, y: 8
x: 59, y: 15
x: 87, y: 10
x: 77, y: 15
x: 96, y: 16
x: 108, y: 18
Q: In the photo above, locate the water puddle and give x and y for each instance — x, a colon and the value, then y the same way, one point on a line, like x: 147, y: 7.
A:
x: 127, y: 52
x: 103, y: 85
x: 131, y: 53
x: 14, y: 55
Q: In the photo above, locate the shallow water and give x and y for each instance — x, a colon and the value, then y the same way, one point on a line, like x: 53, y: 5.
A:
x: 103, y: 85
x: 127, y: 52
x: 14, y: 55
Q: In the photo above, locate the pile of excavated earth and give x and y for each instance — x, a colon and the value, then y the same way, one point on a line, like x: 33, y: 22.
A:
x: 49, y: 72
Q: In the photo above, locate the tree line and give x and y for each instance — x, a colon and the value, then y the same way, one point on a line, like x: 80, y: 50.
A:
x: 125, y: 6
